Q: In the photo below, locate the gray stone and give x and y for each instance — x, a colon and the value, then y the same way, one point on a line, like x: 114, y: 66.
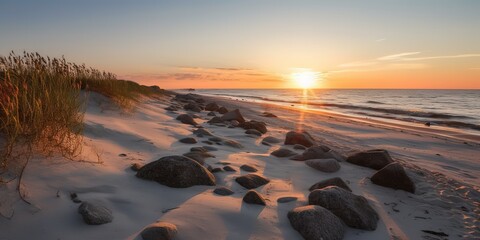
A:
x: 188, y: 140
x: 321, y: 152
x: 198, y: 149
x: 251, y: 181
x: 336, y: 181
x: 186, y: 119
x: 253, y: 132
x: 316, y: 223
x: 283, y: 152
x: 94, y: 213
x: 286, y: 199
x: 229, y: 169
x: 271, y: 140
x: 201, y: 132
x: 253, y: 197
x: 210, y: 148
x: 248, y: 168
x: 159, y: 231
x: 301, y: 137
x: 234, y: 123
x: 233, y: 115
x: 177, y: 172
x: 324, y: 165
x: 376, y: 159
x: 352, y: 209
x: 394, y: 176
x: 223, y: 191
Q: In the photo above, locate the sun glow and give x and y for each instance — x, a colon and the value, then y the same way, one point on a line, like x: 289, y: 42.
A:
x: 305, y: 79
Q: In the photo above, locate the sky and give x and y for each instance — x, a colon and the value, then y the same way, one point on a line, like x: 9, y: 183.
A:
x: 425, y: 44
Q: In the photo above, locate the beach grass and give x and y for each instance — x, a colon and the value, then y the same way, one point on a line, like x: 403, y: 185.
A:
x: 41, y: 103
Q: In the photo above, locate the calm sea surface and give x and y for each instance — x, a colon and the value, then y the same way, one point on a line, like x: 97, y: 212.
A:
x: 458, y: 109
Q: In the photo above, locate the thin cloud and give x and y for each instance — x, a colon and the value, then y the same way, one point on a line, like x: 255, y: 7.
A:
x: 397, y: 56
x: 380, y: 40
x: 442, y: 57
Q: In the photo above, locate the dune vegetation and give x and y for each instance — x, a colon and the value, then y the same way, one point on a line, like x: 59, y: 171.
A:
x: 42, y: 102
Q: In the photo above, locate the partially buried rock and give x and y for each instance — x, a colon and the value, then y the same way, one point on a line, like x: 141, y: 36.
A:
x: 222, y: 110
x: 352, y: 209
x: 321, y: 152
x: 223, y: 191
x: 192, y: 107
x: 233, y: 115
x: 248, y: 168
x: 376, y: 159
x: 199, y: 156
x: 302, y: 137
x: 186, y: 119
x: 286, y: 199
x: 299, y: 147
x: 232, y: 143
x: 253, y: 197
x: 251, y: 181
x: 215, y: 170
x: 211, y: 107
x: 394, y: 176
x: 229, y: 169
x: 324, y: 165
x: 201, y: 132
x: 253, y: 132
x: 316, y: 223
x: 252, y: 124
x: 336, y: 181
x: 215, y: 120
x: 177, y: 172
x: 95, y: 213
x: 136, y: 166
x: 160, y: 231
x: 198, y: 149
x: 283, y: 152
x: 271, y: 140
x: 188, y: 140
x: 268, y: 114
x: 212, y: 114
x: 210, y: 148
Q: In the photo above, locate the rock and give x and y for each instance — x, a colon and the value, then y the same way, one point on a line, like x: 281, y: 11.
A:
x: 301, y: 137
x: 215, y: 120
x: 171, y: 108
x: 394, y: 176
x: 222, y: 110
x: 212, y: 114
x: 198, y: 149
x: 223, y: 191
x: 215, y: 139
x: 286, y: 199
x: 316, y: 223
x: 94, y: 213
x: 271, y: 139
x: 177, y: 172
x: 122, y: 155
x: 214, y: 170
x: 251, y: 181
x: 253, y: 197
x: 299, y: 147
x: 159, y: 231
x: 268, y: 114
x: 324, y: 165
x: 188, y: 140
x: 210, y: 148
x: 74, y: 198
x: 136, y: 166
x: 212, y: 107
x: 229, y: 169
x: 253, y: 132
x: 233, y: 115
x: 248, y: 168
x: 320, y: 152
x: 352, y: 209
x: 207, y: 142
x: 376, y: 159
x: 186, y: 119
x: 193, y: 115
x: 234, y: 123
x: 233, y: 143
x: 283, y: 152
x: 192, y: 107
x: 199, y: 156
x: 252, y: 124
x: 202, y: 132
x: 336, y: 181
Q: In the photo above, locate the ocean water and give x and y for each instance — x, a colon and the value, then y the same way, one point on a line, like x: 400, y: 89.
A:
x: 458, y: 109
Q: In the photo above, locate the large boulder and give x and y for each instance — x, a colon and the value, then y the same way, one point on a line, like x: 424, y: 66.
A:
x: 336, y: 181
x: 252, y: 124
x: 394, y: 176
x: 95, y: 213
x: 376, y: 159
x: 301, y: 137
x: 253, y: 197
x: 321, y: 152
x: 352, y: 209
x: 177, y: 172
x: 233, y: 115
x: 283, y: 152
x: 251, y: 181
x: 212, y: 107
x: 325, y: 165
x: 159, y: 231
x: 316, y: 223
x: 186, y: 119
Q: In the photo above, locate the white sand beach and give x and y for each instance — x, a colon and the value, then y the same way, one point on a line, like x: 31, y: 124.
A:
x: 445, y: 171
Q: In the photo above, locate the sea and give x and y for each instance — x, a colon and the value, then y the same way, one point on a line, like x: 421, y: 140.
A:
x: 456, y: 109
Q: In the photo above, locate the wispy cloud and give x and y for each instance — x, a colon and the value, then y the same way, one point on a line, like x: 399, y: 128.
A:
x: 380, y: 40
x: 469, y: 55
x: 397, y: 56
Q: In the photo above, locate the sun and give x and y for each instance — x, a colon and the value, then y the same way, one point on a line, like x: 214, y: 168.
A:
x: 305, y: 78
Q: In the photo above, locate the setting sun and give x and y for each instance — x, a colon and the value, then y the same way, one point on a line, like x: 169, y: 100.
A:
x: 305, y: 78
